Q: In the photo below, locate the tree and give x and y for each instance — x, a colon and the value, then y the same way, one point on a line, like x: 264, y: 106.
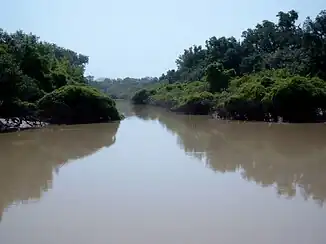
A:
x: 216, y: 77
x: 31, y: 69
x: 141, y: 97
x: 74, y: 104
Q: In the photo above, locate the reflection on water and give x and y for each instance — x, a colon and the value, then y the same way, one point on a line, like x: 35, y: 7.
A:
x: 291, y: 157
x: 28, y: 159
x: 168, y: 178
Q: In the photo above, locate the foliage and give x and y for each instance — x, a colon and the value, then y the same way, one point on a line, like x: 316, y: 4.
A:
x: 192, y: 97
x: 276, y: 71
x: 299, y: 99
x: 197, y: 103
x: 217, y: 78
x: 31, y: 69
x: 73, y: 104
x: 141, y: 96
x: 269, y: 95
x: 285, y: 44
x: 123, y: 88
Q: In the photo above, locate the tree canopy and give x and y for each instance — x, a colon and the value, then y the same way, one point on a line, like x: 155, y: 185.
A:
x: 123, y: 88
x: 276, y: 70
x: 285, y: 44
x: 31, y: 69
x: 77, y: 104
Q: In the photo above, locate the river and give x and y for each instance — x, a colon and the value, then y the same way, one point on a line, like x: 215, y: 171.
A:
x: 164, y: 178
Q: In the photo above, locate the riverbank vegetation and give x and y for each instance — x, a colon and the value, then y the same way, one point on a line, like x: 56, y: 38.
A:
x: 276, y: 71
x: 40, y: 81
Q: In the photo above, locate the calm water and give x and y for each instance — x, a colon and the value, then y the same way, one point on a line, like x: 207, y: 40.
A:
x: 162, y: 178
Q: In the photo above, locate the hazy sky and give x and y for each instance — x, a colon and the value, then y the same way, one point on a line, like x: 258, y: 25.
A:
x: 140, y: 37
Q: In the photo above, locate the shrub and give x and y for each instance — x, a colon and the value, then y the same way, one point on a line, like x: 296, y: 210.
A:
x: 297, y: 99
x: 141, y: 97
x: 273, y: 94
x: 198, y: 103
x: 17, y: 108
x: 74, y: 104
x: 217, y: 77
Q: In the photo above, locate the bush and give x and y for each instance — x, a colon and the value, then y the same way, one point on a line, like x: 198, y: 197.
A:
x: 18, y: 108
x: 272, y: 94
x: 189, y: 97
x: 298, y: 99
x: 266, y: 95
x: 198, y: 103
x: 141, y: 97
x: 217, y: 77
x: 30, y: 68
x: 74, y: 104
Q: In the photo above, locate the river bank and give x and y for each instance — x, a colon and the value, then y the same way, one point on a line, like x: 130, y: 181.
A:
x: 295, y: 99
x: 15, y: 124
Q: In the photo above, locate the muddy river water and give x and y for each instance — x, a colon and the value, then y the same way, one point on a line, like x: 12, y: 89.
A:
x: 163, y: 178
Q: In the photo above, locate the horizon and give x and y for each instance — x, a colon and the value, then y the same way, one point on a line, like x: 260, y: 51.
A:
x: 129, y: 39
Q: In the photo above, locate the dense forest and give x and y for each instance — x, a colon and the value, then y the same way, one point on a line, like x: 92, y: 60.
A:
x: 276, y: 71
x: 40, y: 81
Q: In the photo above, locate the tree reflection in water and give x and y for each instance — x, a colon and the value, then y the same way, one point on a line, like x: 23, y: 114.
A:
x: 291, y: 157
x: 28, y: 159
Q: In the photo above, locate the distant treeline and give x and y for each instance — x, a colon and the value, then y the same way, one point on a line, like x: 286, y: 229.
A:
x: 123, y: 88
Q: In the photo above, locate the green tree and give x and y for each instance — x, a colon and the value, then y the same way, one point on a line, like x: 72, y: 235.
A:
x: 31, y: 70
x: 216, y: 77
x: 74, y: 104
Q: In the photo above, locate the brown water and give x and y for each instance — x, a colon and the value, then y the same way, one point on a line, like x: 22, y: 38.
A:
x: 162, y: 178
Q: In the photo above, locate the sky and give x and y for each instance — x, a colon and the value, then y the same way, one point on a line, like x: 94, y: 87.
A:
x: 137, y: 38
